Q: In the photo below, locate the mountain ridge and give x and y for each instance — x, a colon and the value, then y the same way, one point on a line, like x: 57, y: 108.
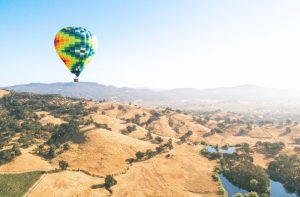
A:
x: 96, y: 91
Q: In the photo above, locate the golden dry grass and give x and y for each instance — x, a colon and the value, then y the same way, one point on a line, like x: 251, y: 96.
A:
x: 26, y: 162
x: 69, y: 184
x: 3, y: 93
x: 181, y: 175
x: 103, y: 152
x: 46, y: 118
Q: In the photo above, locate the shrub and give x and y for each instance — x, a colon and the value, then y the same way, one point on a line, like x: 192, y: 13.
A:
x: 169, y: 144
x: 16, y: 150
x: 221, y: 190
x: 186, y: 136
x: 110, y: 181
x: 150, y: 153
x: 63, y: 164
x: 139, y: 155
x: 159, y: 149
x: 297, y: 149
x: 238, y: 195
x: 149, y: 135
x: 130, y: 160
x: 253, y: 184
x: 158, y: 139
x: 131, y: 128
x: 66, y: 146
x: 251, y: 194
x: 215, y: 176
x: 121, y: 108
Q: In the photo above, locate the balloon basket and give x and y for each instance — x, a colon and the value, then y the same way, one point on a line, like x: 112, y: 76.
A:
x: 76, y: 80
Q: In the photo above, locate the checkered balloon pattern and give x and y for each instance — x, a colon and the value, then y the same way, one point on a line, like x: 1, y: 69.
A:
x: 75, y: 46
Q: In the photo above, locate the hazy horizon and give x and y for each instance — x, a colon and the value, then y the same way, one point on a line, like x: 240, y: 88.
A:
x: 157, y: 44
x: 156, y: 88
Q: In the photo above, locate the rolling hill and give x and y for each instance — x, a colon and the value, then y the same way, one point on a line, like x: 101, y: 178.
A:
x: 108, y: 138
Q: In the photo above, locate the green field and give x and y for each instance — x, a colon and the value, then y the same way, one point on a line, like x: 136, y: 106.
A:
x: 14, y: 185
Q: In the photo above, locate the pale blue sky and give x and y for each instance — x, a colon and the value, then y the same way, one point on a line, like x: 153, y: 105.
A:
x: 156, y: 43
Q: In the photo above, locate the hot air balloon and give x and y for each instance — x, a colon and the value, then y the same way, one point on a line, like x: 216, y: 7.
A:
x: 76, y: 47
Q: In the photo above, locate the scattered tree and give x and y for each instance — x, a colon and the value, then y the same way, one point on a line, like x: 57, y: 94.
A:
x: 110, y: 181
x: 63, y: 164
x: 66, y: 146
x: 139, y: 155
x: 158, y: 139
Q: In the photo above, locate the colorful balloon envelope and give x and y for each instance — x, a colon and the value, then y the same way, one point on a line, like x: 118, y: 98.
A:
x: 76, y: 47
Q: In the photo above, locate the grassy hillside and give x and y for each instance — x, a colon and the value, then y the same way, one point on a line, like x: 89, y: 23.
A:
x: 149, y: 152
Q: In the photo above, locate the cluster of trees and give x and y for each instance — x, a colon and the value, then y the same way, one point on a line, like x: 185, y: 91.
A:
x: 8, y: 154
x: 216, y: 130
x: 297, y: 141
x: 136, y: 120
x: 216, y: 178
x: 240, y: 170
x: 51, y: 151
x: 63, y: 132
x: 17, y: 115
x: 185, y: 136
x: 150, y: 153
x: 154, y: 116
x: 221, y: 125
x: 244, y: 147
x: 201, y: 120
x: 60, y: 134
x: 286, y: 131
x: 23, y: 105
x: 228, y: 120
x: 29, y: 129
x: 250, y: 194
x: 26, y: 139
x: 129, y: 129
x: 74, y: 110
x: 286, y: 169
x: 219, y: 129
x: 268, y: 148
x: 170, y: 122
x: 121, y: 108
x: 297, y: 149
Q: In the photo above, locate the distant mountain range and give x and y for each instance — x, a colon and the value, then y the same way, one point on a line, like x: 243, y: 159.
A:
x: 89, y: 90
x: 242, y: 99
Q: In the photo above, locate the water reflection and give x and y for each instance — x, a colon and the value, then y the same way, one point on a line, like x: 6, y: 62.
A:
x: 277, y: 189
x: 228, y: 150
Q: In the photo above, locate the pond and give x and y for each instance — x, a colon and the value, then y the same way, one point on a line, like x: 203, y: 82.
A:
x: 230, y: 188
x: 277, y: 189
x: 229, y: 150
